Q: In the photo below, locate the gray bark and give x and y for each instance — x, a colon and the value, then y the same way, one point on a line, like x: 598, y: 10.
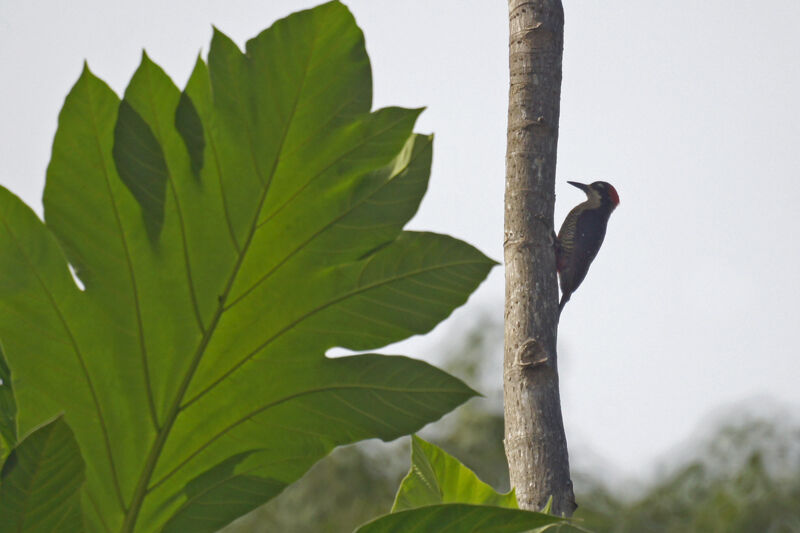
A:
x: 536, y: 446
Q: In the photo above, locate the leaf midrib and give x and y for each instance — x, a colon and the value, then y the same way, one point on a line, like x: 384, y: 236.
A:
x: 336, y: 220
x: 334, y: 301
x: 155, y: 453
x: 300, y: 394
x: 308, y: 391
x: 79, y: 355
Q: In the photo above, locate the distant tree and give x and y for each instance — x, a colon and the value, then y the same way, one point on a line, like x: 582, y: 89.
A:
x: 744, y: 478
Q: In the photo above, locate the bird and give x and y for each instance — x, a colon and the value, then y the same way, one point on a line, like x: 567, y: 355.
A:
x: 582, y: 234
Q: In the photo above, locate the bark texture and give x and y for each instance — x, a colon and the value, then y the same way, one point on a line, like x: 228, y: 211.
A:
x: 535, y: 443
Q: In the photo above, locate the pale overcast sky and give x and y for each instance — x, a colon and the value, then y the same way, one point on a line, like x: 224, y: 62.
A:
x: 691, y: 109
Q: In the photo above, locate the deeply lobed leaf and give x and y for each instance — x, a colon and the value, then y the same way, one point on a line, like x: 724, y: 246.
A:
x: 226, y: 236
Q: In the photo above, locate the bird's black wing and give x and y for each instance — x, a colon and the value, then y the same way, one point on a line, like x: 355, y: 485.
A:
x: 590, y: 231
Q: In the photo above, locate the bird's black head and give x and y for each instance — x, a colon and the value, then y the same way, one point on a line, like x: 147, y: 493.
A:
x: 601, y: 191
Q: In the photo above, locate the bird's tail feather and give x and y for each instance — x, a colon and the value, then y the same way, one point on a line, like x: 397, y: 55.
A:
x: 563, y: 302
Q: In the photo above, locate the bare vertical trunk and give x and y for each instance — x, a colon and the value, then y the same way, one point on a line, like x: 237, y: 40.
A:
x: 536, y: 446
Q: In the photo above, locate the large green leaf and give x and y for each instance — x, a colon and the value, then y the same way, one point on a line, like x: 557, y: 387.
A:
x: 226, y: 237
x: 460, y: 518
x: 40, y: 482
x: 441, y: 494
x: 437, y: 477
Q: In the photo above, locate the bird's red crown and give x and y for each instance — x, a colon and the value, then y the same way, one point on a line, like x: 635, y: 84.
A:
x: 612, y: 193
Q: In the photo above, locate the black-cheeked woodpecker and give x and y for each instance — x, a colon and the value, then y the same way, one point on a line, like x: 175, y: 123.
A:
x: 582, y: 234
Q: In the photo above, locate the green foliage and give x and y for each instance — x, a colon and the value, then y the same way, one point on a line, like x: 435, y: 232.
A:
x: 460, y: 518
x: 745, y: 478
x: 438, y: 477
x: 40, y: 482
x: 226, y: 236
x: 349, y: 487
x: 439, y: 493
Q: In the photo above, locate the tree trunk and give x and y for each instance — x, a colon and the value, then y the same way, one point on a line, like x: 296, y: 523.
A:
x: 536, y: 446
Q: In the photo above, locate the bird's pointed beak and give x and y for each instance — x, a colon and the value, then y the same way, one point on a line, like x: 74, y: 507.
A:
x: 581, y: 186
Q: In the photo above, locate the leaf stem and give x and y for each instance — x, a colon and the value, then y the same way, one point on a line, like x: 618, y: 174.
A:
x: 155, y: 451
